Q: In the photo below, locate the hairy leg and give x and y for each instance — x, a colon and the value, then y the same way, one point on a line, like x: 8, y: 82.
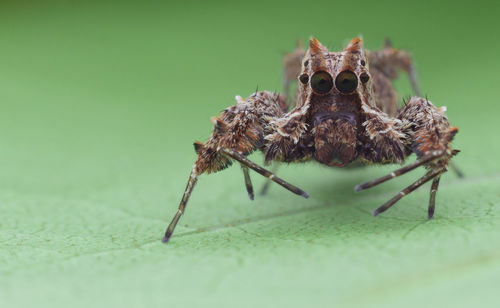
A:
x: 193, y: 178
x: 432, y: 199
x: 248, y: 181
x: 238, y: 131
x: 424, y: 179
x: 265, y: 187
x: 292, y: 65
x: 420, y: 128
x: 384, y: 66
x: 386, y: 97
x: 264, y: 172
x: 389, y: 61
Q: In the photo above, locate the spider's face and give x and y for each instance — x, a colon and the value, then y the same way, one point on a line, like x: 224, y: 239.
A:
x: 325, y: 72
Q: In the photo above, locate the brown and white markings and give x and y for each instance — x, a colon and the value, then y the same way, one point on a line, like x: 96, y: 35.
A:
x: 345, y: 112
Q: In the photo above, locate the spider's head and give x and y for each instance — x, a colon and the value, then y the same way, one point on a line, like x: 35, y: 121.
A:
x: 339, y: 73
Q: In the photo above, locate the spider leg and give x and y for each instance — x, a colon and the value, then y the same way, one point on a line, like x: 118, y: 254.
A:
x: 238, y: 127
x: 193, y: 178
x: 401, y: 171
x: 424, y: 179
x: 245, y: 164
x: 412, y: 75
x: 456, y: 169
x: 265, y: 187
x: 420, y: 128
x: 248, y: 182
x: 389, y: 60
x: 432, y: 199
x: 264, y: 172
x: 292, y: 64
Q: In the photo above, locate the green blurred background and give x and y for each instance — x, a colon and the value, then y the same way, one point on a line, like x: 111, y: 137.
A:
x: 100, y: 102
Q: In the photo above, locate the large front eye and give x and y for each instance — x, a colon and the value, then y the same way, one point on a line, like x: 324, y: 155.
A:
x: 321, y: 82
x: 346, y: 82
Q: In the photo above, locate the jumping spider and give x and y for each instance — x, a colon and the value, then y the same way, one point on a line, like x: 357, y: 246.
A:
x: 345, y: 112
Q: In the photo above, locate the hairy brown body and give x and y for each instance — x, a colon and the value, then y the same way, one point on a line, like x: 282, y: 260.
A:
x: 345, y: 111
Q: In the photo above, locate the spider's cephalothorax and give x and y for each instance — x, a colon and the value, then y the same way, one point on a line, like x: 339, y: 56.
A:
x: 345, y: 111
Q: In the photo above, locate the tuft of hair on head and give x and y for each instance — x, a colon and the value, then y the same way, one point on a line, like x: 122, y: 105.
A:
x: 316, y: 47
x: 355, y: 45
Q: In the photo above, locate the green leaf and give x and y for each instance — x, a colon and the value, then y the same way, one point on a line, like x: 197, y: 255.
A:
x: 100, y: 103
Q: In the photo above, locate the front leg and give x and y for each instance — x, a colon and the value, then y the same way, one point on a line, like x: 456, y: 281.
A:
x: 292, y: 65
x: 420, y: 128
x: 238, y: 131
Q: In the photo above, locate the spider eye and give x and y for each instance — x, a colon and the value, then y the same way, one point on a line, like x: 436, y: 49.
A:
x: 346, y: 82
x: 321, y: 82
x: 364, y: 77
x: 304, y: 78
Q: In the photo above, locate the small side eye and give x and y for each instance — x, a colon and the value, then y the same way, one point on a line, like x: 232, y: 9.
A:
x: 304, y: 78
x: 363, y: 62
x: 364, y: 77
x: 346, y: 82
x: 321, y: 82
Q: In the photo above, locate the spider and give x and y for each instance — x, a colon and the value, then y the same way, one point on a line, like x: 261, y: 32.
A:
x: 345, y: 112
